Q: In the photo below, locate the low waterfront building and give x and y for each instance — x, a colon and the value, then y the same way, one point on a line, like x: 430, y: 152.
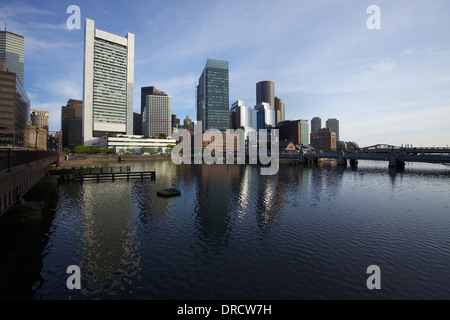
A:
x: 287, y: 147
x: 135, y: 144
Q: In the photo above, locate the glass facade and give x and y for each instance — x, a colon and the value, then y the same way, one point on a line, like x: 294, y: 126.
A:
x: 304, y: 132
x: 213, y: 96
x: 333, y: 125
x: 265, y: 93
x: 296, y: 131
x: 12, y: 52
x: 316, y: 124
x: 244, y: 117
x: 14, y: 109
x: 266, y: 115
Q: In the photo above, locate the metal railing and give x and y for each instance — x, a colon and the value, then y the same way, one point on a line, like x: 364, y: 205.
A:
x: 12, y: 158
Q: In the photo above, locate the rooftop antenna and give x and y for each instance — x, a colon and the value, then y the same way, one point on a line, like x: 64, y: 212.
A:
x: 5, y: 26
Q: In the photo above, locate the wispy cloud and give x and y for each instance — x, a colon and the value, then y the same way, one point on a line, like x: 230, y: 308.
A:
x: 321, y: 56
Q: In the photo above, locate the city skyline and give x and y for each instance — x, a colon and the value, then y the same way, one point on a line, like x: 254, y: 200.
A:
x: 385, y: 86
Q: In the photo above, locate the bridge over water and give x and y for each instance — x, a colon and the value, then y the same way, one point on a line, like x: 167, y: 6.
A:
x: 396, y: 156
x: 20, y: 170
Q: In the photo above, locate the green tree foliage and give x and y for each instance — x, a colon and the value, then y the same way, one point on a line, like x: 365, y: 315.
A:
x: 92, y: 150
x: 170, y: 147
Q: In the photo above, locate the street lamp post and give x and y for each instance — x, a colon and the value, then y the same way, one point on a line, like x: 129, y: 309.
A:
x: 37, y: 133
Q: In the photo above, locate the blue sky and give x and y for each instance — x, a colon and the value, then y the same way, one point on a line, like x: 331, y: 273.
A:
x: 390, y: 85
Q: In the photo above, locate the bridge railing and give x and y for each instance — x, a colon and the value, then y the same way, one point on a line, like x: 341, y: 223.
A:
x: 12, y: 158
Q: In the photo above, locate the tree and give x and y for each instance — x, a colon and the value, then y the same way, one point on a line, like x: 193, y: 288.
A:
x: 170, y: 147
x: 162, y: 136
x: 80, y: 149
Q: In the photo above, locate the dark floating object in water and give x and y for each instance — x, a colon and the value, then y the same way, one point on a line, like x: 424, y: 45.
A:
x: 168, y: 192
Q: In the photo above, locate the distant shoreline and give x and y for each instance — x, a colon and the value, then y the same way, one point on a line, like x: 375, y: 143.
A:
x: 78, y: 160
x: 93, y: 159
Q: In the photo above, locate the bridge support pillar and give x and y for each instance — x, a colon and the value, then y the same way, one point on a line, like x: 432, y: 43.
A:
x: 341, y: 160
x: 302, y: 158
x: 394, y: 162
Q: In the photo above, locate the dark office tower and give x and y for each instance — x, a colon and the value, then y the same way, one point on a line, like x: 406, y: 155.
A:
x: 265, y: 93
x: 72, y: 123
x: 213, y: 96
x: 137, y: 124
x: 14, y: 108
x: 316, y: 124
x: 175, y: 121
x: 279, y: 110
x: 146, y: 91
x: 333, y: 125
x: 12, y: 52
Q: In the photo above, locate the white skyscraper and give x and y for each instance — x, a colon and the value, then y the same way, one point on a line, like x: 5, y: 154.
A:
x: 108, y: 83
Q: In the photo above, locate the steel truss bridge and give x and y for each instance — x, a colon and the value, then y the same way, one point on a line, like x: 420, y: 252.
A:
x: 396, y: 156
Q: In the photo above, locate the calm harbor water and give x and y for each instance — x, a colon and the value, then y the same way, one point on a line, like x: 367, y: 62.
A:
x: 305, y: 233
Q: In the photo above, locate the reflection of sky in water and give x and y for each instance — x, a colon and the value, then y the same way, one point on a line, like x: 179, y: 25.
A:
x: 236, y: 234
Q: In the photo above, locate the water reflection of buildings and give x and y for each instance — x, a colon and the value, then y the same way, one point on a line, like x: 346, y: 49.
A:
x: 269, y: 200
x: 213, y: 208
x: 393, y: 171
x: 228, y: 194
x: 154, y: 211
x: 326, y: 180
x: 109, y: 260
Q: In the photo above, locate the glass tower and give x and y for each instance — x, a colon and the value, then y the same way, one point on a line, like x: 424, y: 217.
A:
x: 265, y: 92
x: 213, y: 96
x: 304, y: 132
x: 316, y: 124
x: 333, y: 125
x: 14, y: 108
x: 12, y: 52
